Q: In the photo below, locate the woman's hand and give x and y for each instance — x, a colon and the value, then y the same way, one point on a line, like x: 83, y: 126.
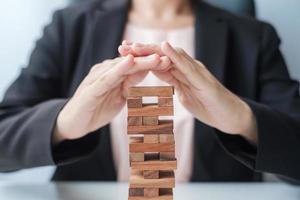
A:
x: 199, y: 91
x: 100, y: 95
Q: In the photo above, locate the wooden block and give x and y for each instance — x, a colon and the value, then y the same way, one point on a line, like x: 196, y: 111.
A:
x: 166, y: 138
x: 160, y: 197
x: 167, y: 156
x: 150, y: 120
x: 165, y: 191
x: 166, y: 180
x: 151, y: 156
x: 143, y: 147
x: 135, y: 121
x: 165, y: 101
x: 161, y: 91
x: 151, y: 110
x: 154, y: 165
x: 151, y: 139
x: 151, y: 192
x: 151, y: 174
x: 136, y: 139
x: 164, y: 127
x: 136, y: 157
x: 135, y: 192
x: 134, y: 102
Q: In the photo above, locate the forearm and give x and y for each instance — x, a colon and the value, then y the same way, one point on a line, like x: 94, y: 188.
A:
x: 26, y: 136
x: 276, y: 147
x: 250, y: 128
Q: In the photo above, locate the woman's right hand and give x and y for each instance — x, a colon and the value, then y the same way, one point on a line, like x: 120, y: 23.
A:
x: 100, y: 96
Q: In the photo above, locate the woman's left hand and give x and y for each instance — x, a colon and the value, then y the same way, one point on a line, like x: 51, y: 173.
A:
x: 199, y: 91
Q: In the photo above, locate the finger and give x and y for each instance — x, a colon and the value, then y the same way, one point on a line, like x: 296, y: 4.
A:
x: 180, y: 61
x: 179, y: 76
x: 165, y: 64
x: 125, y: 50
x: 144, y: 63
x: 112, y: 77
x: 134, y: 79
x: 126, y: 42
x: 139, y: 49
x: 166, y: 77
x: 99, y: 69
x: 146, y: 49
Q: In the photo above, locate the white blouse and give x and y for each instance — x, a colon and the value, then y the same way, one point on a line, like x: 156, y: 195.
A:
x: 183, y: 120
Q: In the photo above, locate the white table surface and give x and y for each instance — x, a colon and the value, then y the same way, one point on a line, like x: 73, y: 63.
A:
x: 117, y: 191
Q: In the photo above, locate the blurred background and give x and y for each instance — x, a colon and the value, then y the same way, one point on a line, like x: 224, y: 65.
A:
x: 22, y: 22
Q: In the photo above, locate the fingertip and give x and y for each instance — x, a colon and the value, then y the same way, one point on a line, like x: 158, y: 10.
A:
x: 126, y: 42
x: 156, y: 56
x: 164, y: 65
x: 121, y: 50
x: 166, y: 60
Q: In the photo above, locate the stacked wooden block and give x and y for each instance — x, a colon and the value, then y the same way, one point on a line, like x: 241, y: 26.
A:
x: 152, y: 145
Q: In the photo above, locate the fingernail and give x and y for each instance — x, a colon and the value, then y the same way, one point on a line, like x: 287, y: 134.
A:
x: 126, y: 48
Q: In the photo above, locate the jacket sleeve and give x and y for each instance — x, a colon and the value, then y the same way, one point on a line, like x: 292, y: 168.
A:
x: 277, y: 112
x: 31, y: 104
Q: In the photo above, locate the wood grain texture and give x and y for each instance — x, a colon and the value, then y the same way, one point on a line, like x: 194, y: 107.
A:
x: 143, y: 147
x: 165, y: 101
x: 135, y: 192
x: 151, y: 192
x: 164, y: 194
x: 160, y: 91
x: 164, y: 127
x: 151, y: 110
x: 151, y: 139
x: 151, y: 156
x: 136, y: 139
x: 151, y: 174
x: 154, y: 165
x: 166, y: 180
x: 136, y: 157
x: 150, y: 120
x: 161, y: 197
x: 166, y: 138
x: 135, y: 102
x: 165, y: 191
x: 135, y: 121
x: 167, y: 156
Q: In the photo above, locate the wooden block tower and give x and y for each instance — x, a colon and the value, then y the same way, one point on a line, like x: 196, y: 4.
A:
x: 151, y: 144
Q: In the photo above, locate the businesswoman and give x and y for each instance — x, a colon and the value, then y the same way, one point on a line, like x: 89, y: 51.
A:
x: 237, y: 111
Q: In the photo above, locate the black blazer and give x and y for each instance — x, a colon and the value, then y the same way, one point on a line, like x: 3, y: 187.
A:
x: 241, y: 52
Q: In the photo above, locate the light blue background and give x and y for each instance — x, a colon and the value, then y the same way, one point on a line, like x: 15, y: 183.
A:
x: 21, y: 23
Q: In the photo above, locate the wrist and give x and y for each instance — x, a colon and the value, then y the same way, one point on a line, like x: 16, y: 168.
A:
x: 59, y: 134
x: 249, y: 130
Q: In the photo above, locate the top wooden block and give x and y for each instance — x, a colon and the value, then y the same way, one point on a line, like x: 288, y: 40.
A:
x: 161, y: 91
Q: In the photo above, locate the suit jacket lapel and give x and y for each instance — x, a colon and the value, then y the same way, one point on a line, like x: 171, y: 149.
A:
x: 108, y: 33
x: 211, y: 40
x: 211, y: 48
x: 107, y: 36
